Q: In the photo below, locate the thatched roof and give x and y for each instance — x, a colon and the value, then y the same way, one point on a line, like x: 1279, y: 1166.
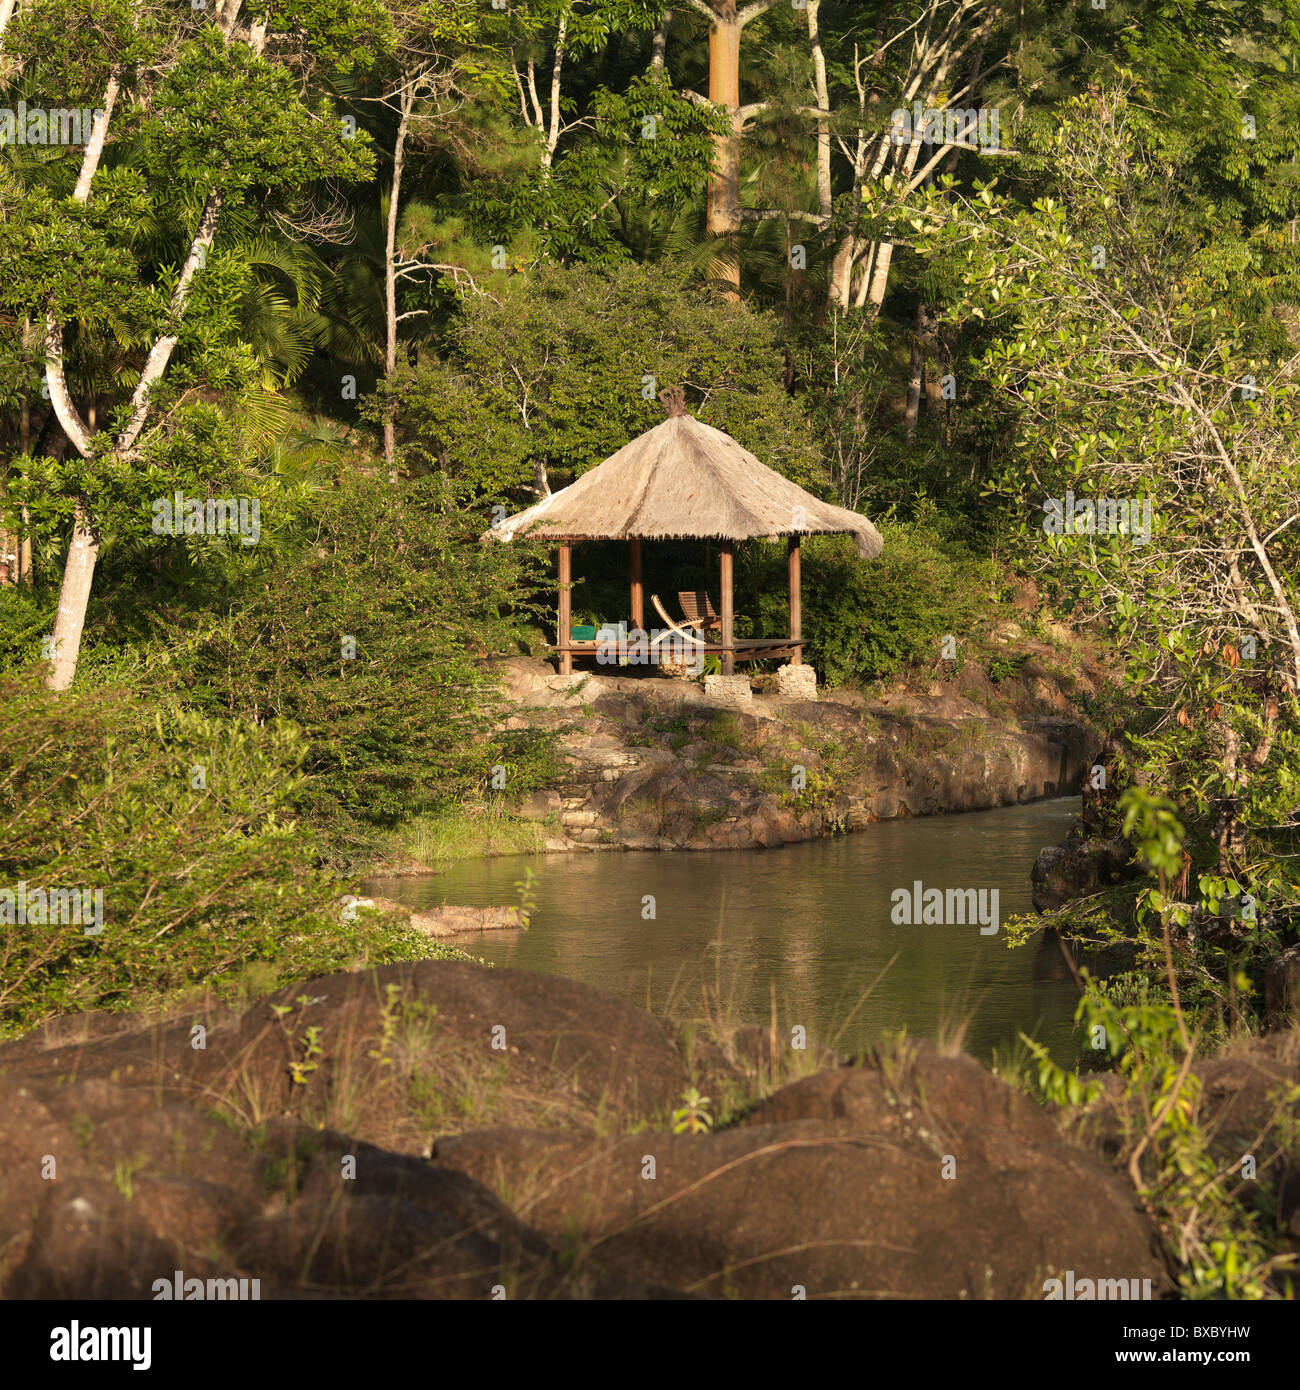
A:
x: 684, y: 479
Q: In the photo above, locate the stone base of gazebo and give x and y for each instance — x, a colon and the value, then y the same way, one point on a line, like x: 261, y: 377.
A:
x: 797, y: 682
x: 732, y: 691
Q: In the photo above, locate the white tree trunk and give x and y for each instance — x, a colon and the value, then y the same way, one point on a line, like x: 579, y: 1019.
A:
x: 95, y: 146
x: 822, y: 92
x: 659, y: 43
x: 390, y: 283
x: 83, y: 550
x: 74, y: 596
x: 161, y: 352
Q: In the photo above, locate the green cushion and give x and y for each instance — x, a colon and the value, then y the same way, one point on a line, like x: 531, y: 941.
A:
x: 582, y: 632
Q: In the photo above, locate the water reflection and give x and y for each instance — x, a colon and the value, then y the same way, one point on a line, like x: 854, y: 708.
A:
x: 808, y: 925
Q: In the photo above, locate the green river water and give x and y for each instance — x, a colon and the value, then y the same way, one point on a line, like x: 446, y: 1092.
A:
x: 809, y: 924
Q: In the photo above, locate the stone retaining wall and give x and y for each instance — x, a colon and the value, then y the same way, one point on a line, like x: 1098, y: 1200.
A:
x: 660, y: 764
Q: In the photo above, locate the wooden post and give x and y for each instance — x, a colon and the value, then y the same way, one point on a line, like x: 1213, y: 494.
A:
x: 564, y: 635
x: 638, y: 593
x: 727, y: 614
x: 796, y: 600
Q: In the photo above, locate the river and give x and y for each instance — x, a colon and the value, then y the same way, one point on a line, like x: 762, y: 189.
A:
x: 809, y: 925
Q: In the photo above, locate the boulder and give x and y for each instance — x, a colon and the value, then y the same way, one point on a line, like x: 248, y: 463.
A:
x: 473, y: 1046
x: 455, y: 921
x: 1078, y: 867
x: 284, y: 1210
x: 412, y: 1158
x: 854, y: 1183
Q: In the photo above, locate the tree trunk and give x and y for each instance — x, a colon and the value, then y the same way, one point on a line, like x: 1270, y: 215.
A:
x: 74, y: 597
x: 822, y: 92
x: 724, y: 178
x: 841, y: 277
x: 551, y: 129
x: 83, y: 550
x: 913, y: 392
x: 659, y: 43
x: 840, y: 286
x: 98, y: 134
x: 872, y: 289
x: 160, y: 354
x: 390, y: 287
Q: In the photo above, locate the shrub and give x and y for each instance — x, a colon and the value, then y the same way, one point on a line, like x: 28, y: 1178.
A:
x: 404, y: 724
x: 866, y: 619
x: 185, y: 826
x: 26, y: 615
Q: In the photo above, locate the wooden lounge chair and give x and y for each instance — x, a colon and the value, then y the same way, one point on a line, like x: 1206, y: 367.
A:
x: 682, y: 629
x: 746, y: 648
x: 699, y: 610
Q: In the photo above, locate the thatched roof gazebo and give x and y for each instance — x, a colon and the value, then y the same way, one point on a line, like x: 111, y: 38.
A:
x: 684, y: 479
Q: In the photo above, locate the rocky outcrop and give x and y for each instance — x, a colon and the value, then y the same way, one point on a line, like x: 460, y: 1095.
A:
x: 534, y: 1048
x: 1079, y: 867
x: 406, y: 1154
x: 449, y: 920
x: 651, y: 763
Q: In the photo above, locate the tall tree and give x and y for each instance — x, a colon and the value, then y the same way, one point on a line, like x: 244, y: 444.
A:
x: 726, y: 25
x: 1154, y: 444
x: 215, y: 118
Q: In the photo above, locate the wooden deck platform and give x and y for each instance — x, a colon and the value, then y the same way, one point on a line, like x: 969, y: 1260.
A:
x: 741, y: 649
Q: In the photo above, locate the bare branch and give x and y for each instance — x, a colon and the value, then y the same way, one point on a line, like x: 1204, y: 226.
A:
x: 753, y: 10
x: 777, y: 214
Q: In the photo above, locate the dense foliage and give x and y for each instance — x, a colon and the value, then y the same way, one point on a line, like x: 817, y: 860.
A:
x: 185, y: 828
x: 366, y: 632
x: 563, y: 369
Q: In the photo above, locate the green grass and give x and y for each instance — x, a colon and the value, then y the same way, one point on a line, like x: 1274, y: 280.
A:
x: 465, y: 834
x: 678, y: 729
x: 724, y: 731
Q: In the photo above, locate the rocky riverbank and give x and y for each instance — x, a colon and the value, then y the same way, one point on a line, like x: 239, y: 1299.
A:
x: 442, y: 1130
x: 655, y: 763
